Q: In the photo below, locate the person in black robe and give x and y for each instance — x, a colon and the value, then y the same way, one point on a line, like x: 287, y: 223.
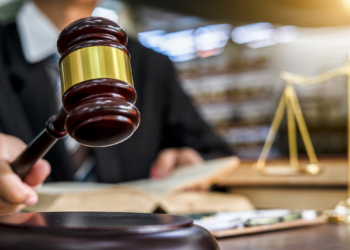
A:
x: 171, y: 132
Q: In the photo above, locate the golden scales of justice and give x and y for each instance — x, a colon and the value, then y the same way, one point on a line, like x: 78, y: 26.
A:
x: 289, y: 102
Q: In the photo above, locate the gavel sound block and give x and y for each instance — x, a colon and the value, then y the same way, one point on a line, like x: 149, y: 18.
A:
x: 98, y: 110
x: 102, y: 231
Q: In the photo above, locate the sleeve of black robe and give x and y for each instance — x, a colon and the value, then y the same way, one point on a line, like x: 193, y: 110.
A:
x: 183, y: 126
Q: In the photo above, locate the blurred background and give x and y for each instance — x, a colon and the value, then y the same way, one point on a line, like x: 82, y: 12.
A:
x: 228, y: 55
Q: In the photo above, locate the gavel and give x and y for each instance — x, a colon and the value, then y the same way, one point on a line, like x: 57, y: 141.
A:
x: 97, y: 91
x: 98, y: 110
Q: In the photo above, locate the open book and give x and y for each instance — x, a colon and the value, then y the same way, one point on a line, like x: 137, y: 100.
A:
x: 173, y: 194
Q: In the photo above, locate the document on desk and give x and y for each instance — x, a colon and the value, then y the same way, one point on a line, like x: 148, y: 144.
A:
x: 224, y: 224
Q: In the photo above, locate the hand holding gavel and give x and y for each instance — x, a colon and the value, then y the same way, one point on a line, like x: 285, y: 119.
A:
x: 97, y: 91
x: 15, y: 193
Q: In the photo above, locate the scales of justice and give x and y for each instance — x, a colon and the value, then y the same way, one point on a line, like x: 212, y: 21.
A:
x: 98, y: 110
x: 289, y: 103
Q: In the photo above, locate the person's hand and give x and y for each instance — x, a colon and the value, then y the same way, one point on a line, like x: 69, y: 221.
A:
x: 170, y: 158
x: 15, y: 194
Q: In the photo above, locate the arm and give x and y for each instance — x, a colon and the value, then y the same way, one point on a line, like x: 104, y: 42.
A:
x: 15, y: 194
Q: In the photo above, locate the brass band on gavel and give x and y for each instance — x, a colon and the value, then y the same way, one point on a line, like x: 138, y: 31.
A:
x: 94, y: 63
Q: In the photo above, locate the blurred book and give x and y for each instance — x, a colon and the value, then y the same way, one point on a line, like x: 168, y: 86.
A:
x: 174, y: 194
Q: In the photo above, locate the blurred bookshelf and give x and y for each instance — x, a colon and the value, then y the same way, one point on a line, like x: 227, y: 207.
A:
x: 235, y: 98
x: 231, y: 73
x: 236, y: 87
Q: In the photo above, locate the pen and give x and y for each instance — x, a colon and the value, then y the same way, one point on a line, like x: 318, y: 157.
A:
x: 271, y: 220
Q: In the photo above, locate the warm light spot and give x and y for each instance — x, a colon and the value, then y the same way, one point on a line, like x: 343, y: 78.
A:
x: 346, y: 4
x: 257, y: 35
x: 188, y: 44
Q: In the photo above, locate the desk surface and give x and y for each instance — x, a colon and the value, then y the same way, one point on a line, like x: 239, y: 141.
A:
x: 323, y: 237
x: 334, y: 174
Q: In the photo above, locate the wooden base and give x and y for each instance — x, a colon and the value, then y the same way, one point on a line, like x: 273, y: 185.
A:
x: 103, y: 231
x: 309, y: 169
x: 341, y: 212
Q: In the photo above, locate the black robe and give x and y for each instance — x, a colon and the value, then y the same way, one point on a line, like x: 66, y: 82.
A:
x: 168, y: 118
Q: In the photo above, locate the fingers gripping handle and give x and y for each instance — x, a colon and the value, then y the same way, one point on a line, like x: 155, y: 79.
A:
x: 40, y: 145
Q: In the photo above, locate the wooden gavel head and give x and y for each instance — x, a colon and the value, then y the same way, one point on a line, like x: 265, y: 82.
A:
x: 96, y: 80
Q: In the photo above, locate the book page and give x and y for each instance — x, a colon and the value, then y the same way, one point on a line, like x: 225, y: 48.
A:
x: 203, y: 202
x: 203, y: 175
x: 69, y: 187
x: 135, y: 196
x: 113, y: 199
x: 89, y: 197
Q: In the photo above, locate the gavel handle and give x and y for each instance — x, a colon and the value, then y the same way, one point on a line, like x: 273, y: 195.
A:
x: 41, y: 144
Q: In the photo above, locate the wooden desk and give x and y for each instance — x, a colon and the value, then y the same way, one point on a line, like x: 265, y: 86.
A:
x: 334, y: 175
x: 318, y: 192
x: 323, y: 237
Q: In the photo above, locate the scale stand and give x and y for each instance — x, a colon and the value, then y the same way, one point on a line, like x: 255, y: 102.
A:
x: 289, y: 102
x: 341, y: 213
